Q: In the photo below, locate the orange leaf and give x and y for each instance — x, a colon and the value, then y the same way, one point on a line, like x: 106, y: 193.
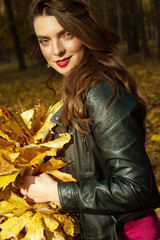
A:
x: 5, y: 167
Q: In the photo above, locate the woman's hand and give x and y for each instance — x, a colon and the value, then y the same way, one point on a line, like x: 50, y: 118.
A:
x: 40, y: 188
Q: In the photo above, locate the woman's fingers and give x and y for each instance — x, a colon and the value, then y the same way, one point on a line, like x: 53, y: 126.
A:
x: 28, y: 199
x: 23, y: 191
x: 40, y: 188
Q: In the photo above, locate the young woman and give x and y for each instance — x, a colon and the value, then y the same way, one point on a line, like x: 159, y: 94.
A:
x: 104, y: 109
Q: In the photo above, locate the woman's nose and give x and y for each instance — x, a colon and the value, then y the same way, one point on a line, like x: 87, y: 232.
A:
x: 58, y: 48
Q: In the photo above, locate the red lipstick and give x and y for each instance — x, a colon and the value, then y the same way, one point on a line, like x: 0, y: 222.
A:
x: 64, y: 62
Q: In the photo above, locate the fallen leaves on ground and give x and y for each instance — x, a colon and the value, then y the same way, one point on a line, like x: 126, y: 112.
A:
x: 147, y: 74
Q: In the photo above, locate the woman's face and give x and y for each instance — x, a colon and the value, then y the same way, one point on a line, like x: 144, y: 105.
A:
x: 61, y: 50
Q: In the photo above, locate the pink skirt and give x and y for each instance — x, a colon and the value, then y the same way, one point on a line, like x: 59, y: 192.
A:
x: 146, y: 228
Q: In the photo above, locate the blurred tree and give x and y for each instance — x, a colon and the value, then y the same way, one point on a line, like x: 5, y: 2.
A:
x: 20, y: 10
x: 142, y: 30
x: 149, y: 13
x: 101, y: 9
x: 119, y: 19
x: 104, y: 10
x: 15, y: 36
x: 129, y: 10
x: 157, y: 5
x: 5, y: 35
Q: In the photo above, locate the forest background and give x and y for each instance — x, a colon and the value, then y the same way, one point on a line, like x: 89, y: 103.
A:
x: 138, y: 24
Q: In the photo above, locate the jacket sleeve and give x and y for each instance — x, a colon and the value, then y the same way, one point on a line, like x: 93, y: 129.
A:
x: 126, y: 184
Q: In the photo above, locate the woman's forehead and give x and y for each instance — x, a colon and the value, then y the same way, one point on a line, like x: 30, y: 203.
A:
x: 47, y: 25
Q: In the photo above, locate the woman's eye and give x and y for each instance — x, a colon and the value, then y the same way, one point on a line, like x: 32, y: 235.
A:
x: 67, y: 35
x: 43, y: 42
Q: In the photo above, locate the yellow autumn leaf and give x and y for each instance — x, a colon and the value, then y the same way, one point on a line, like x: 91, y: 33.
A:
x: 7, y: 145
x: 11, y: 156
x: 31, y: 146
x: 67, y: 223
x: 40, y: 205
x: 61, y: 176
x: 28, y: 117
x: 53, y: 109
x: 5, y: 136
x: 59, y: 142
x: 26, y: 155
x: 52, y: 164
x: 40, y: 113
x: 27, y: 171
x: 14, y: 127
x: 43, y: 208
x: 155, y: 137
x: 27, y: 133
x: 48, y: 125
x: 40, y: 157
x: 6, y: 207
x: 49, y: 235
x: 10, y: 228
x: 18, y: 201
x: 13, y: 204
x: 7, y: 179
x: 6, y: 167
x: 59, y: 235
x: 25, y: 218
x: 35, y: 228
x: 14, y: 225
x: 43, y: 132
x: 50, y: 222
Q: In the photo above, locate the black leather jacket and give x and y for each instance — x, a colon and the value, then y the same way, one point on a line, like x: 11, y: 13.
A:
x: 115, y: 182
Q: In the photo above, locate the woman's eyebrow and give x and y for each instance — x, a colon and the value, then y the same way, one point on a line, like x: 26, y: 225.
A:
x: 59, y: 34
x: 42, y: 37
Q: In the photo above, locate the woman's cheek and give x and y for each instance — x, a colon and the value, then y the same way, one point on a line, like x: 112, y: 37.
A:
x: 45, y: 53
x: 75, y: 46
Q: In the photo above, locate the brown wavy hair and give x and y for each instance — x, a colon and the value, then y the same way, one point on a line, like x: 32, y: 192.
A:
x: 100, y: 63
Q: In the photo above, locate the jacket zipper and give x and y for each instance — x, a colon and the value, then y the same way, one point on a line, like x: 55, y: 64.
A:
x: 86, y: 150
x: 84, y: 142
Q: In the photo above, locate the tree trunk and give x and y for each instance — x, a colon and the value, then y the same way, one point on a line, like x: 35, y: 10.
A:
x: 142, y: 30
x: 119, y: 20
x: 133, y: 15
x: 104, y: 9
x: 14, y: 32
x: 131, y: 32
x: 149, y: 24
x: 157, y: 5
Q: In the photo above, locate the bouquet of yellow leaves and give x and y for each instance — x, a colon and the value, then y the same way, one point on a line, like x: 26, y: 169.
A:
x: 25, y: 143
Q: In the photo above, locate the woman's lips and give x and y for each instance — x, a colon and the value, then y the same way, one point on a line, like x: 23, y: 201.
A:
x: 64, y: 62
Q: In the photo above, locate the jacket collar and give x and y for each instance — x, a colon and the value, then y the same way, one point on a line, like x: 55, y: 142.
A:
x: 56, y: 116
